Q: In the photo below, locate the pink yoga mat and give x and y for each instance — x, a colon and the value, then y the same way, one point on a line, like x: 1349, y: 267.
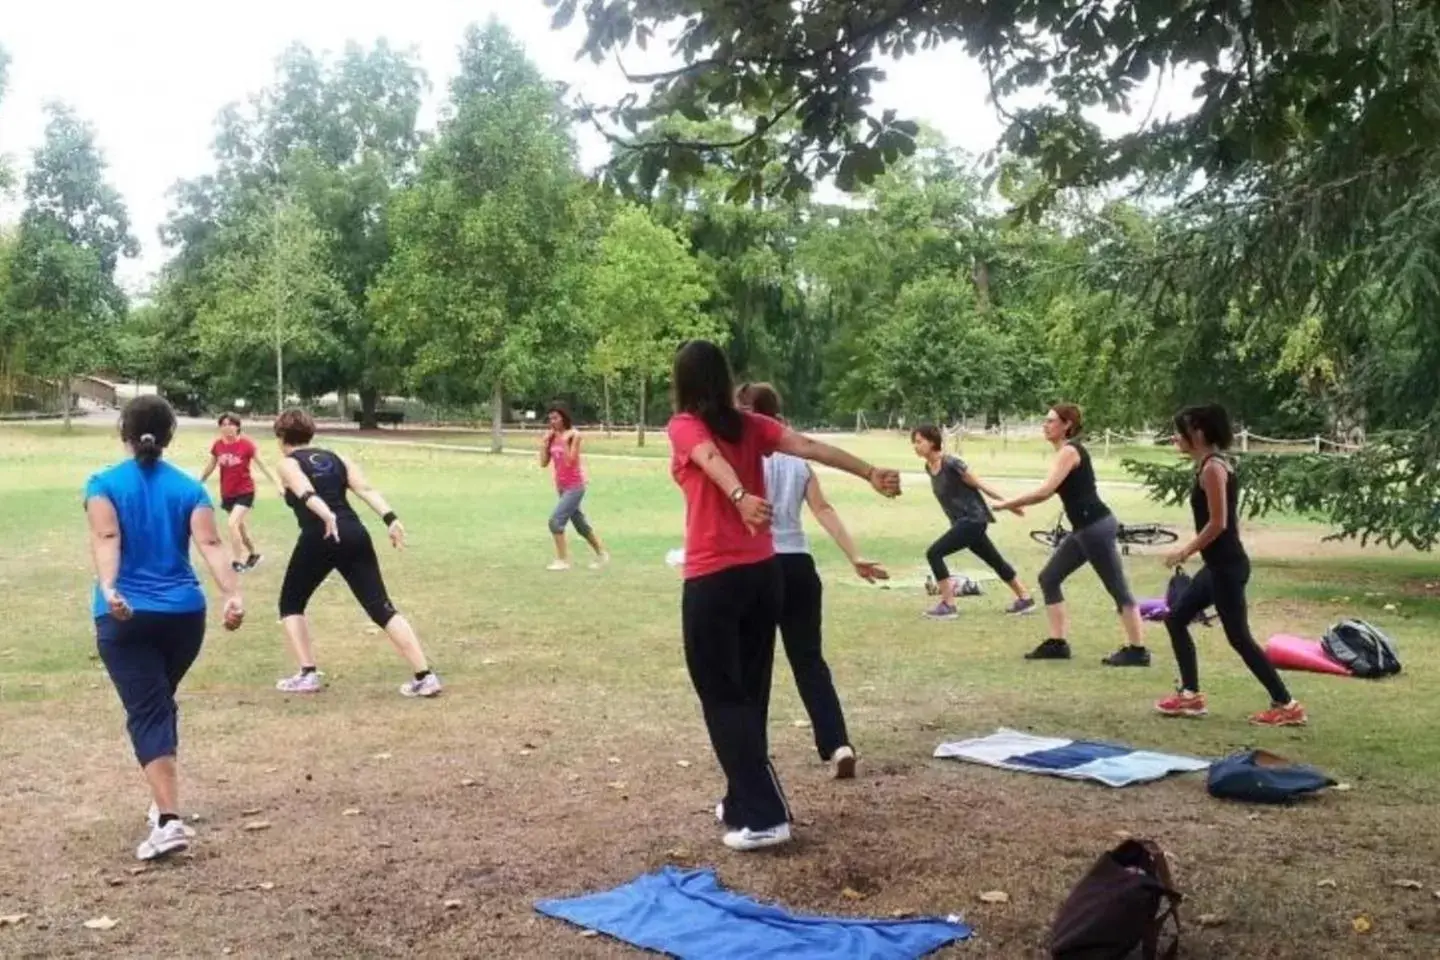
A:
x: 1297, y: 653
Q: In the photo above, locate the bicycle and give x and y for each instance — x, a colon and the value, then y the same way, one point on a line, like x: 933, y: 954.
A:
x: 1131, y: 535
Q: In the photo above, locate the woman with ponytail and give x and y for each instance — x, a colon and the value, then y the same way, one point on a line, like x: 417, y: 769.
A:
x: 731, y: 601
x: 148, y: 606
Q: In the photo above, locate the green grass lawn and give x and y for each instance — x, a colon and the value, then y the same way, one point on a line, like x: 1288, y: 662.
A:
x: 569, y: 709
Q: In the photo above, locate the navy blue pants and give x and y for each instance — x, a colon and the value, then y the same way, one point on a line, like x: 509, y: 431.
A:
x: 147, y: 656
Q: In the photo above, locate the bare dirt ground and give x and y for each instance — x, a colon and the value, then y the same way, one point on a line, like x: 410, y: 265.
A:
x: 551, y: 814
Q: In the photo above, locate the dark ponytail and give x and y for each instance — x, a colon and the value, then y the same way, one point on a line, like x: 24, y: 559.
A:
x: 702, y: 385
x: 148, y: 426
x: 1211, y: 421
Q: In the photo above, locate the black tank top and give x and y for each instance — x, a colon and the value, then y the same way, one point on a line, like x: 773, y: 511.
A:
x: 327, y: 474
x: 1225, y: 549
x: 1079, y: 494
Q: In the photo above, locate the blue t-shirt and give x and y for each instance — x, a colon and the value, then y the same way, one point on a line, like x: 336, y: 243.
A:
x: 153, y: 505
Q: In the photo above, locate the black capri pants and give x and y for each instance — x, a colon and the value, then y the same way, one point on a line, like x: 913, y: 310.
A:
x: 353, y: 557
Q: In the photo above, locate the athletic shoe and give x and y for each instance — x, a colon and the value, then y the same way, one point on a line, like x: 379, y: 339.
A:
x: 300, y: 683
x: 237, y: 566
x: 844, y: 760
x: 746, y: 839
x: 429, y: 687
x: 931, y: 587
x: 254, y: 561
x: 1026, y: 605
x: 720, y: 811
x: 1182, y: 703
x: 1291, y: 714
x: 943, y: 611
x: 558, y: 566
x: 163, y: 841
x: 600, y: 562
x: 1128, y: 656
x: 152, y: 819
x: 1052, y: 649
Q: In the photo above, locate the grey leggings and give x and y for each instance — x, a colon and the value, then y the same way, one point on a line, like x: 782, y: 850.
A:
x: 568, y: 511
x: 1097, y: 546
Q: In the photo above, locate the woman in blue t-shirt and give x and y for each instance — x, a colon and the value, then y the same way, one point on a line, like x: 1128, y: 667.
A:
x: 148, y: 606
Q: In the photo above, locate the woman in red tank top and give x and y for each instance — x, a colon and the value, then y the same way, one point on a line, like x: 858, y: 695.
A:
x: 560, y: 450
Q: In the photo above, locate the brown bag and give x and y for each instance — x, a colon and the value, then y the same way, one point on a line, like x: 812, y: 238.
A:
x: 1120, y: 907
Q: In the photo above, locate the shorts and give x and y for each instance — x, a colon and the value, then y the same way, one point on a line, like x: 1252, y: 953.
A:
x: 246, y: 500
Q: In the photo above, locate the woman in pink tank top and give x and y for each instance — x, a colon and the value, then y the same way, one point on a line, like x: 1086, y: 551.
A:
x: 560, y: 450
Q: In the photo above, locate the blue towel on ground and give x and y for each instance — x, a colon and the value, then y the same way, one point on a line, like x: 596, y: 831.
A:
x: 687, y: 914
x: 1112, y: 764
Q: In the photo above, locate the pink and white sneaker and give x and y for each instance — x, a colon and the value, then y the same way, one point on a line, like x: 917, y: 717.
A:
x: 300, y: 683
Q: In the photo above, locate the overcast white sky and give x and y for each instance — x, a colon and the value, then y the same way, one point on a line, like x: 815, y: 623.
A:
x: 151, y: 75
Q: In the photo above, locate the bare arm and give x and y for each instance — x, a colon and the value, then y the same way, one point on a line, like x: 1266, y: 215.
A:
x: 1065, y: 461
x: 1212, y: 480
x: 572, y: 448
x: 708, y: 458
x: 268, y: 474
x: 361, y: 488
x: 975, y: 483
x: 808, y: 448
x: 545, y: 449
x: 209, y: 468
x: 217, y: 557
x: 105, y: 551
x: 828, y: 518
x: 292, y: 478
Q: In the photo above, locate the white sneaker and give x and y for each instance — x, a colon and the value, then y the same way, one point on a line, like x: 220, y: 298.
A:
x: 300, y: 683
x: 844, y: 760
x: 152, y: 819
x: 720, y: 811
x: 558, y: 566
x: 163, y: 841
x: 746, y: 839
x: 600, y: 562
x: 429, y: 687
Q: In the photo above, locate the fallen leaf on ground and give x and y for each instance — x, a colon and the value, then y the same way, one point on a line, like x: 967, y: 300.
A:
x: 101, y: 923
x: 679, y: 853
x: 267, y: 886
x: 1211, y: 920
x: 252, y: 812
x: 1327, y: 883
x: 902, y: 914
x: 526, y: 753
x: 1407, y: 884
x: 1122, y: 834
x: 381, y: 756
x: 613, y: 760
x: 272, y: 769
x: 453, y: 904
x: 573, y: 778
x: 258, y: 825
x: 995, y: 896
x: 1253, y: 816
x: 617, y: 785
x: 589, y: 933
x: 1390, y: 608
x: 136, y: 871
x: 13, y: 919
x: 850, y: 893
x: 115, y: 881
x: 800, y: 724
x: 351, y: 812
x: 467, y: 782
x: 384, y: 844
x: 488, y: 662
x: 683, y: 764
x: 1361, y: 924
x: 1343, y: 787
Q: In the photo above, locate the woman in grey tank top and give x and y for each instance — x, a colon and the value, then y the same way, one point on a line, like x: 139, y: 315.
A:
x: 789, y: 483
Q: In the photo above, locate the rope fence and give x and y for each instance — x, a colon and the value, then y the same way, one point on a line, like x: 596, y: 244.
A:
x: 1245, y: 439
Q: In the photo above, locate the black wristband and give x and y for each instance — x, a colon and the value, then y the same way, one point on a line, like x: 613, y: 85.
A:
x: 306, y: 497
x: 389, y: 518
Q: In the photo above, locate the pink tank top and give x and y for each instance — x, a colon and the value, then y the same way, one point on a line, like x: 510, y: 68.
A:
x: 567, y: 477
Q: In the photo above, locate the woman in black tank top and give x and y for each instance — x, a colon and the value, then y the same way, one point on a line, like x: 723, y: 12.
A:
x: 1092, y: 539
x: 1202, y: 433
x: 317, y: 486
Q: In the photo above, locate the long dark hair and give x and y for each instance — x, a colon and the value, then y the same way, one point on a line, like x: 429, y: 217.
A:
x: 701, y: 384
x: 148, y: 426
x: 1210, y: 420
x: 563, y: 412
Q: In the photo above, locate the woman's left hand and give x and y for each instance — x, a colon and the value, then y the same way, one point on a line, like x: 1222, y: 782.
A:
x: 870, y: 571
x: 118, y: 607
x: 397, y: 535
x: 885, y: 481
x: 1173, y: 559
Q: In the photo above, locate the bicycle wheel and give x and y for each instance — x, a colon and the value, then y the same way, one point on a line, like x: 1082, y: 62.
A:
x: 1148, y: 535
x: 1049, y: 538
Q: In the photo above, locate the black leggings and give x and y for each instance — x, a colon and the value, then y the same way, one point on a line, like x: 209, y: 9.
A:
x: 972, y: 536
x: 729, y: 620
x: 800, y: 616
x: 1224, y: 588
x: 353, y: 558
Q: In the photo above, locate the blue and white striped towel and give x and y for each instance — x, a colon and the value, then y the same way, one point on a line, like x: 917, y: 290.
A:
x: 1112, y: 764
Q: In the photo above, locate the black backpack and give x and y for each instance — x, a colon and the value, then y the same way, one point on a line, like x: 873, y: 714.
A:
x: 1180, y: 582
x: 1361, y: 648
x: 1122, y: 906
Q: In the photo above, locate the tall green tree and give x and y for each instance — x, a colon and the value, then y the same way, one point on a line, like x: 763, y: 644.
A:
x: 642, y: 301
x: 479, y: 295
x: 73, y: 233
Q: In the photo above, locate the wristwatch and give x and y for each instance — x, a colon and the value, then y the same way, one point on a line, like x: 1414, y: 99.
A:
x: 737, y: 494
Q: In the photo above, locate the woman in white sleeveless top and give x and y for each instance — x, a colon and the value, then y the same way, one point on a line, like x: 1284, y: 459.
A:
x: 789, y: 484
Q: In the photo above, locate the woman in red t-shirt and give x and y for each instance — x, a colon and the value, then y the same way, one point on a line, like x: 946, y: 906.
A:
x: 731, y: 599
x: 233, y: 454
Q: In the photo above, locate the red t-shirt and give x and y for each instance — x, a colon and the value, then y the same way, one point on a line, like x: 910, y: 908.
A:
x: 234, y: 457
x: 715, y: 536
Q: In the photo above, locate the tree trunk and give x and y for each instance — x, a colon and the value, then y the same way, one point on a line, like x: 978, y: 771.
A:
x: 369, y: 401
x: 640, y: 421
x: 607, y: 408
x: 497, y: 419
x: 65, y: 399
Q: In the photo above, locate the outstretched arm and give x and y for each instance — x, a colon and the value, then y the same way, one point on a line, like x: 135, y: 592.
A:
x: 1065, y: 461
x: 975, y: 483
x: 885, y: 482
x: 829, y: 518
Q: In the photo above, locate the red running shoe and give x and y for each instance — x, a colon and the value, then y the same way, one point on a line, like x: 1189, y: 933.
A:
x: 1291, y: 714
x: 1182, y: 703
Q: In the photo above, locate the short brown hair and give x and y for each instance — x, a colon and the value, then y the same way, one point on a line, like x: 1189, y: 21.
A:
x: 1071, y: 416
x: 762, y: 398
x: 295, y: 427
x: 229, y: 417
